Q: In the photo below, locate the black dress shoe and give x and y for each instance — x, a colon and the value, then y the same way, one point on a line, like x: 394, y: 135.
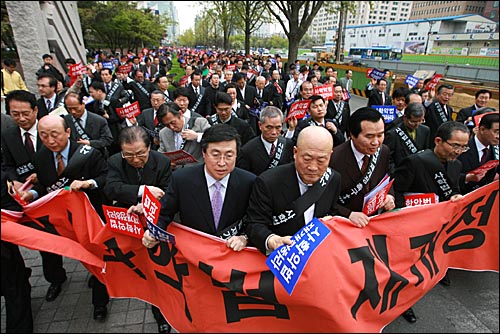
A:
x: 409, y: 316
x: 164, y: 329
x: 100, y: 313
x: 53, y: 291
x: 445, y: 280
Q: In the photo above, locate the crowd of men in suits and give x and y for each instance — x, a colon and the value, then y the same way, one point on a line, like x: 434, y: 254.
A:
x: 250, y: 166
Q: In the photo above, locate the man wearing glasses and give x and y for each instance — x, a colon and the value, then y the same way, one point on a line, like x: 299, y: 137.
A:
x: 438, y: 111
x: 409, y: 137
x: 211, y: 197
x: 129, y: 171
x: 435, y: 171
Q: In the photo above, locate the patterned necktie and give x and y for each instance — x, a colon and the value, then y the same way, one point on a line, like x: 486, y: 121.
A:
x: 49, y: 105
x: 107, y: 88
x: 28, y: 143
x: 413, y: 134
x: 364, y: 167
x: 484, y: 157
x: 217, y: 203
x: 60, y: 164
x: 273, y: 150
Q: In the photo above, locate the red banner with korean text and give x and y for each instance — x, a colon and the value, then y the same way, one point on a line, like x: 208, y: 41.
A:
x: 325, y: 91
x: 298, y: 110
x: 374, y: 274
x: 129, y: 111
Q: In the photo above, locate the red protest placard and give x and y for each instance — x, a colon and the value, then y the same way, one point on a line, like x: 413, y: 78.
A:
x: 375, y: 198
x: 485, y: 167
x: 129, y: 111
x: 183, y: 81
x: 180, y: 157
x: 433, y: 82
x: 420, y: 199
x: 231, y: 67
x: 150, y: 206
x: 298, y: 110
x: 119, y: 221
x: 76, y: 70
x: 326, y: 91
x: 477, y: 118
x: 124, y: 69
x: 368, y: 71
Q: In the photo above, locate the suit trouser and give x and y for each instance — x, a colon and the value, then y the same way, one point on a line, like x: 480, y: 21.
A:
x: 100, y: 295
x: 16, y: 289
x: 160, y: 319
x: 53, y: 270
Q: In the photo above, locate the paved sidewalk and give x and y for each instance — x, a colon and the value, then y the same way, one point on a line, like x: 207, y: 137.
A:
x: 469, y: 305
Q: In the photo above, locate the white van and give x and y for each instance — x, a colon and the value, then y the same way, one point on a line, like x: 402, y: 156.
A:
x: 308, y: 55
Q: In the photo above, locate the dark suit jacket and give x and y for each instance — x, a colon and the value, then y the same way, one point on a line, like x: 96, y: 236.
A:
x: 122, y: 183
x: 244, y: 130
x: 470, y: 161
x: 14, y: 153
x: 338, y: 138
x: 96, y: 127
x: 253, y: 156
x: 433, y: 120
x: 250, y: 95
x: 344, y: 162
x: 42, y: 107
x: 188, y: 195
x: 465, y: 113
x: 92, y: 167
x: 146, y: 119
x: 375, y: 99
x: 413, y: 175
x: 120, y: 93
x: 193, y: 98
x: 331, y: 112
x: 273, y: 191
x: 398, y: 148
x: 270, y: 95
x: 139, y: 96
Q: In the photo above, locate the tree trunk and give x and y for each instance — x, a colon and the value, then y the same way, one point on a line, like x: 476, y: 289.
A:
x: 340, y: 37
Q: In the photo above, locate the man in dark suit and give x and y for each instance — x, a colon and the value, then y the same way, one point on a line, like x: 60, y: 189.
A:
x: 148, y: 120
x: 163, y: 84
x: 482, y: 97
x: 365, y: 147
x: 245, y: 93
x: 113, y: 89
x: 210, y: 197
x: 19, y: 144
x: 48, y: 68
x: 85, y: 127
x: 339, y: 110
x: 378, y: 96
x: 270, y: 149
x: 299, y: 191
x: 197, y: 101
x: 21, y: 141
x: 140, y: 87
x: 363, y: 161
x: 208, y: 109
x: 223, y: 107
x: 438, y: 111
x: 317, y: 112
x: 106, y: 107
x: 49, y: 100
x: 409, y: 137
x: 483, y: 147
x: 267, y: 92
x: 82, y: 168
x: 132, y: 169
x: 280, y: 86
x: 435, y: 171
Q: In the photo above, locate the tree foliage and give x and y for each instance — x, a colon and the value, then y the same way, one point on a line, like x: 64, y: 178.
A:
x: 119, y: 25
x: 251, y: 14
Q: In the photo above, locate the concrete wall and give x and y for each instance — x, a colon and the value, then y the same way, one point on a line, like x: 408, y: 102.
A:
x: 41, y: 27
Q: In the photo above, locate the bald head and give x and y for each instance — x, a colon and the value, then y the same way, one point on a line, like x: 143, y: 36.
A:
x: 312, y: 153
x: 316, y: 136
x: 53, y: 132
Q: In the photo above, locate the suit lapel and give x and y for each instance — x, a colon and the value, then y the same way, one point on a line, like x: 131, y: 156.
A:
x: 201, y: 198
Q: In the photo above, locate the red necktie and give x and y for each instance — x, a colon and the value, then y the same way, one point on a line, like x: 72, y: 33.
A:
x: 484, y: 157
x: 28, y: 143
x: 60, y: 164
x: 273, y: 150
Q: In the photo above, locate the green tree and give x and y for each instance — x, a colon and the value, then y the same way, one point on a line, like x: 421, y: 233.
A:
x: 221, y: 16
x: 119, y: 25
x: 188, y: 38
x: 299, y: 16
x: 252, y: 14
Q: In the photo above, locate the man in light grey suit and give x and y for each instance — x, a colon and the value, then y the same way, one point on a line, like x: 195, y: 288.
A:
x: 180, y: 133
